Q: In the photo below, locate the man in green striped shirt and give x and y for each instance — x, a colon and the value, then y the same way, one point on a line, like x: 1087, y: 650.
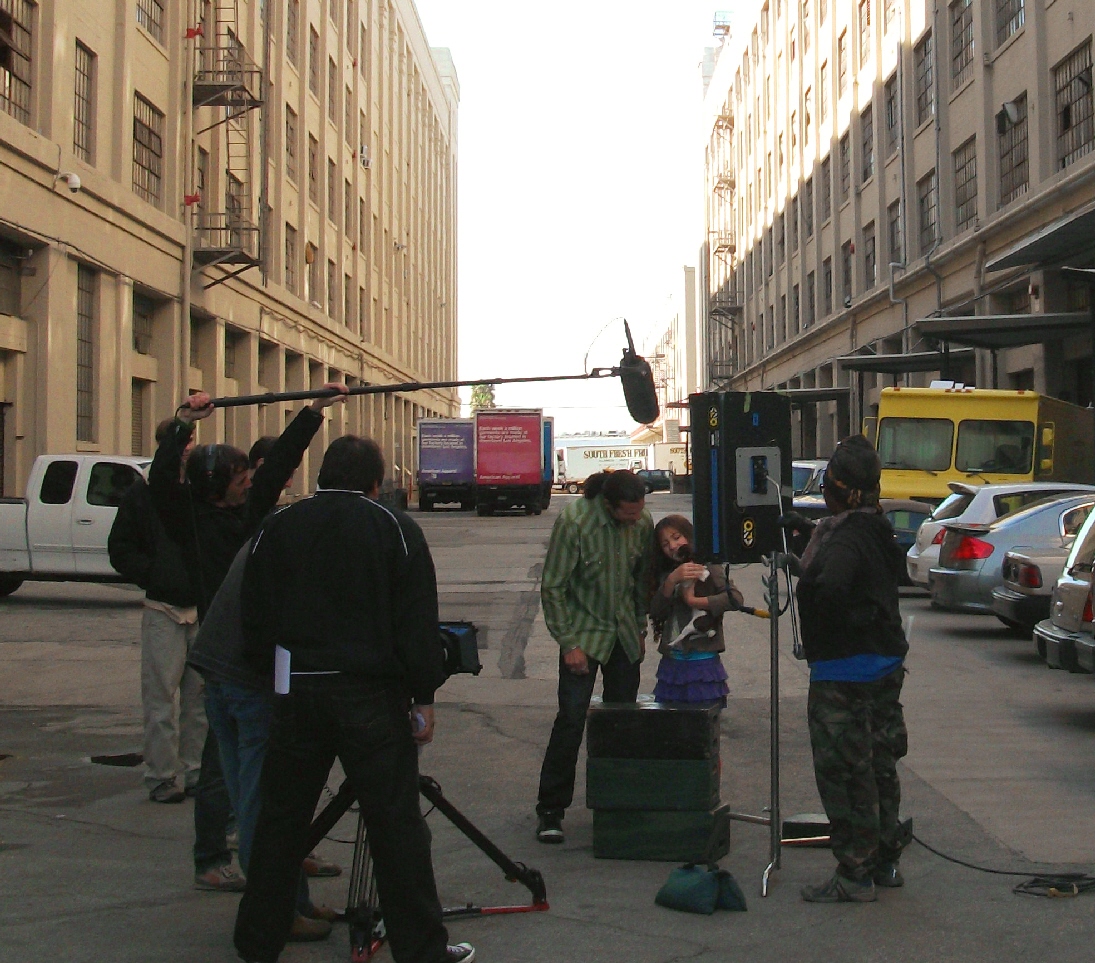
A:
x: 595, y: 590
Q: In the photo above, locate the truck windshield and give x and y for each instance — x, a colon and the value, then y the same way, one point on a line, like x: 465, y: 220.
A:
x: 996, y: 446
x: 919, y: 444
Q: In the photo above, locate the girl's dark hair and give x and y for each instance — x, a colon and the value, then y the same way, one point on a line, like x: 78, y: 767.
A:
x: 616, y: 486
x: 663, y: 564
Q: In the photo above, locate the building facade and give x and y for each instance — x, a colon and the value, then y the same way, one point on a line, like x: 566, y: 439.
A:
x: 893, y: 188
x: 236, y: 196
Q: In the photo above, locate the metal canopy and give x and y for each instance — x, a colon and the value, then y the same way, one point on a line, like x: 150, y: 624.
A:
x: 998, y: 331
x: 1066, y: 238
x: 815, y: 396
x: 901, y: 363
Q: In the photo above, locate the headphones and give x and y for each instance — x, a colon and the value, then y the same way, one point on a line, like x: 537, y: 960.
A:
x: 211, y: 480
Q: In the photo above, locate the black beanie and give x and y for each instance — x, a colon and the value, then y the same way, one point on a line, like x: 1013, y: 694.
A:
x: 856, y: 464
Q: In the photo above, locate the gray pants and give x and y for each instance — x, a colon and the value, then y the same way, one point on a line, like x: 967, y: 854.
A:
x: 171, y: 693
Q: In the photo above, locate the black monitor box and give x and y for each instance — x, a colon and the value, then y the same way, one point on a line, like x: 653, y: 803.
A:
x: 741, y: 473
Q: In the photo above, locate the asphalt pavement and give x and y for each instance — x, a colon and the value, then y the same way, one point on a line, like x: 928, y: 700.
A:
x: 1001, y: 773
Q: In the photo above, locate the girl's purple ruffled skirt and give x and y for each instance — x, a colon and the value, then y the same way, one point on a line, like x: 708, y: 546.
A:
x: 691, y: 680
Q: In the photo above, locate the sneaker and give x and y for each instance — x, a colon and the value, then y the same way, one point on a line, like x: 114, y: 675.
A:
x: 888, y: 875
x: 839, y: 889
x: 305, y: 930
x: 314, y: 866
x: 461, y: 953
x: 167, y: 792
x: 220, y: 879
x: 549, y: 829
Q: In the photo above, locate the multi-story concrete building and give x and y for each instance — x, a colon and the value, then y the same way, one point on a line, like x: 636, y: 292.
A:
x: 237, y: 196
x: 894, y: 187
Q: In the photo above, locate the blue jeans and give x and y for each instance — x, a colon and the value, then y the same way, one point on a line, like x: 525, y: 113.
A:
x: 240, y: 716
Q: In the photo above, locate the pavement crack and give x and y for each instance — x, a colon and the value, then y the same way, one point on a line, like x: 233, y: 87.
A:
x: 65, y: 818
x: 492, y: 724
x: 511, y: 659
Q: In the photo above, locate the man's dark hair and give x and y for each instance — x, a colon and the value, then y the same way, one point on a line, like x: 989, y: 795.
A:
x: 616, y: 486
x: 352, y: 463
x: 211, y: 468
x: 259, y: 450
x: 162, y: 429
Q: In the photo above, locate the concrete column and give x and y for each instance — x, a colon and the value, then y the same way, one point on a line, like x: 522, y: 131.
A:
x: 116, y: 367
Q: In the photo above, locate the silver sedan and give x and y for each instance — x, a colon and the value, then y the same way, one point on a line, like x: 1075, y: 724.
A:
x: 1065, y: 639
x: 971, y: 556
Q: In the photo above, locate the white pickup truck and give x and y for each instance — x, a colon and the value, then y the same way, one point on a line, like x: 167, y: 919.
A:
x: 58, y: 533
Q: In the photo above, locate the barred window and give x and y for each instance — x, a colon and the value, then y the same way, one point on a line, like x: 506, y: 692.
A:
x: 232, y: 341
x: 805, y: 26
x: 362, y: 314
x: 291, y: 258
x: 348, y: 209
x: 332, y: 290
x: 362, y: 227
x: 332, y: 190
x: 870, y: 258
x: 781, y: 240
x: 144, y: 311
x: 313, y: 169
x: 827, y: 285
x: 147, y: 150
x: 781, y: 323
x: 927, y: 205
x: 896, y: 234
x: 362, y: 59
x: 824, y: 91
x: 195, y: 344
x: 846, y: 271
x: 866, y: 128
x: 311, y: 275
x: 349, y: 127
x: 86, y: 322
x: 965, y: 184
x: 826, y: 189
x: 332, y: 90
x: 889, y: 14
x: 313, y: 60
x: 822, y: 10
x: 811, y: 301
x: 864, y: 31
x: 83, y: 108
x: 1075, y: 121
x: 1010, y: 16
x: 290, y: 143
x: 893, y: 115
x: 203, y: 175
x: 292, y: 32
x: 922, y: 71
x: 961, y: 41
x: 150, y: 16
x: 845, y: 167
x: 348, y: 300
x: 842, y: 63
x: 137, y: 416
x: 15, y: 63
x: 1012, y: 130
x: 807, y: 116
x: 794, y: 224
x: 796, y: 309
x: 808, y: 207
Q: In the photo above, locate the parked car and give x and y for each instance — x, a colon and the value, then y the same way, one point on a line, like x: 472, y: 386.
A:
x: 971, y: 555
x: 656, y: 479
x: 806, y: 474
x: 969, y: 503
x: 1064, y: 639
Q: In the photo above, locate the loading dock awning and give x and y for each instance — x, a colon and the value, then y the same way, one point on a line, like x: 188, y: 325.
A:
x: 999, y: 331
x: 815, y: 396
x: 901, y: 363
x: 1066, y: 239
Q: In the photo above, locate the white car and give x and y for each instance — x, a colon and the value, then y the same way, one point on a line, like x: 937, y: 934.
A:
x: 806, y: 474
x: 977, y: 504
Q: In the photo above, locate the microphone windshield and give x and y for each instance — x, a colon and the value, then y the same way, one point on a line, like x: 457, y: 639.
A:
x: 640, y: 396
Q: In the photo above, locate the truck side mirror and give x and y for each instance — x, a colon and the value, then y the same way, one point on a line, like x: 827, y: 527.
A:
x: 1045, y: 452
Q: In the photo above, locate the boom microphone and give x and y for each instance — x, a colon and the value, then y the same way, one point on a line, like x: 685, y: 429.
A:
x: 637, y: 379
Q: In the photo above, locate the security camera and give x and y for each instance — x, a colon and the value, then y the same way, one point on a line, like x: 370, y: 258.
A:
x: 847, y: 301
x: 72, y: 181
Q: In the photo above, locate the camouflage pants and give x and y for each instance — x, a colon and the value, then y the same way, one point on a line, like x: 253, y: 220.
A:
x: 857, y: 732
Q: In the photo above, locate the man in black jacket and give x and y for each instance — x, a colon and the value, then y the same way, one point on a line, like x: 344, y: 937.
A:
x: 347, y: 590
x: 141, y: 551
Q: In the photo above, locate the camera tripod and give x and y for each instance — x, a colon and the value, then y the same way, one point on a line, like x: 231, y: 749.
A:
x: 363, y: 911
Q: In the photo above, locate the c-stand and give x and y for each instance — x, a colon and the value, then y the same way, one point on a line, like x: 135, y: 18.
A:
x: 363, y: 912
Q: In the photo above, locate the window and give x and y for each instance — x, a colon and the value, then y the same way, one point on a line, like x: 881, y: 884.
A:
x: 842, y: 64
x: 232, y: 341
x: 896, y: 235
x: 292, y: 32
x: 864, y: 31
x: 807, y: 115
x: 811, y: 305
x: 86, y: 323
x: 349, y: 128
x: 313, y: 169
x: 362, y: 314
x: 203, y: 176
x: 795, y: 309
x: 822, y: 10
x: 362, y: 246
x: 965, y: 184
x: 794, y: 224
x: 927, y: 203
x: 15, y: 64
x: 348, y: 300
x: 311, y: 275
x: 332, y: 91
x: 808, y: 207
x: 824, y: 91
x: 58, y: 482
x: 11, y: 267
x: 893, y: 116
x: 770, y: 250
x: 291, y: 258
x: 889, y: 14
x: 137, y: 416
x: 144, y: 311
x: 1003, y: 446
x: 870, y: 257
x: 313, y: 60
x: 781, y: 240
x: 866, y: 129
x: 348, y: 209
x: 845, y: 167
x: 1075, y: 120
x: 332, y: 190
x: 1010, y: 16
x: 83, y: 110
x: 781, y: 322
x: 805, y: 27
x: 147, y: 150
x: 290, y: 144
x: 1011, y: 127
x: 921, y: 444
x: 826, y: 189
x: 150, y: 16
x: 922, y: 73
x: 332, y: 290
x: 961, y: 41
x: 827, y: 285
x: 846, y: 272
x: 363, y: 48
x: 333, y: 12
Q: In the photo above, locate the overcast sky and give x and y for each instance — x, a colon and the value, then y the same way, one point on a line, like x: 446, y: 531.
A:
x: 580, y: 186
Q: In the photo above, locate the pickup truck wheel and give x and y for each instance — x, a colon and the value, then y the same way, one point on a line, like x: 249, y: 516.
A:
x: 572, y: 488
x: 425, y: 505
x: 8, y: 584
x: 484, y: 510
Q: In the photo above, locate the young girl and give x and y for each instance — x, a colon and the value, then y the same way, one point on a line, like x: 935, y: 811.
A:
x: 690, y: 669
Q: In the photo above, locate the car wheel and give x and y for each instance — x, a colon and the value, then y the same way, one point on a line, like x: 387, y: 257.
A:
x: 572, y: 488
x: 1017, y: 629
x: 8, y: 584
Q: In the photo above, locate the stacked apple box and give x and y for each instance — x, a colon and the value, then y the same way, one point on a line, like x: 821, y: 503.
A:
x: 652, y: 781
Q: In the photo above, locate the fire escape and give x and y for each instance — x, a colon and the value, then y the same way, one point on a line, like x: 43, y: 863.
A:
x: 724, y: 300
x: 226, y: 77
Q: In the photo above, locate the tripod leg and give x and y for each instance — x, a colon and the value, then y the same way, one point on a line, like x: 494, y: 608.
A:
x: 362, y: 906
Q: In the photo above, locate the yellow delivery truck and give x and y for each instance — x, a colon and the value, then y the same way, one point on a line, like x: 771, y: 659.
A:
x: 929, y: 437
